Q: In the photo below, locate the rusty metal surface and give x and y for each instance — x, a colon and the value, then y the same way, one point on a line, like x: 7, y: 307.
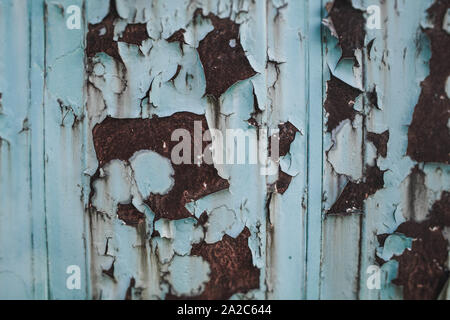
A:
x: 99, y: 201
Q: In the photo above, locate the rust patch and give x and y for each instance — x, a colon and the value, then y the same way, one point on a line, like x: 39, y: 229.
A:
x: 369, y: 48
x: 100, y: 37
x: 428, y: 134
x: 283, y: 182
x: 380, y: 141
x: 339, y: 103
x: 203, y: 219
x: 110, y: 271
x: 130, y: 215
x: 352, y: 197
x: 129, y: 293
x: 177, y: 36
x: 134, y: 34
x: 372, y: 96
x: 231, y: 265
x: 348, y: 23
x: 222, y: 56
x: 422, y: 270
x: 121, y: 138
x: 286, y: 136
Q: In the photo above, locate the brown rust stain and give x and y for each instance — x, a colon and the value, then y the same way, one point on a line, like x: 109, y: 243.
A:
x: 352, y: 197
x: 203, y: 219
x: 129, y: 293
x: 286, y: 136
x: 231, y: 265
x: 423, y: 270
x: 339, y: 103
x: 121, y: 138
x: 223, y: 63
x: 349, y: 24
x: 283, y: 182
x: 177, y: 36
x: 428, y: 134
x: 130, y: 215
x: 110, y: 272
x: 100, y: 37
x: 372, y: 96
x: 380, y: 141
x: 134, y: 34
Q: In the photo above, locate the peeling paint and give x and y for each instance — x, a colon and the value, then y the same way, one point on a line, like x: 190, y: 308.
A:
x: 339, y: 103
x: 347, y: 24
x: 423, y: 268
x: 428, y: 134
x: 353, y: 196
x: 191, y: 181
x: 232, y: 269
x: 223, y: 63
x: 86, y: 117
x: 380, y: 141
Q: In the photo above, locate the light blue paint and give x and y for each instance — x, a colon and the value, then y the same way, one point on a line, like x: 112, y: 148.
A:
x: 315, y: 114
x: 394, y: 245
x: 152, y: 172
x: 45, y: 170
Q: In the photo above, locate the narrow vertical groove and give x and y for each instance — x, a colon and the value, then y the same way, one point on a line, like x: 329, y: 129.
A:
x: 363, y: 160
x: 314, y: 151
x: 44, y: 146
x: 30, y: 157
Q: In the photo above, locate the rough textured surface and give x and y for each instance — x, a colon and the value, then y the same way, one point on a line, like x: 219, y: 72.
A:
x: 283, y: 182
x: 286, y: 136
x: 232, y: 269
x: 423, y: 270
x: 353, y: 196
x: 223, y: 57
x: 100, y: 37
x: 380, y: 140
x: 349, y: 24
x: 339, y: 104
x: 130, y: 215
x: 428, y: 135
x: 121, y: 138
x: 134, y: 66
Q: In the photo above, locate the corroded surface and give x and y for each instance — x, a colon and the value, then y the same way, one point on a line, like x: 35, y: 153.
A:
x: 360, y: 182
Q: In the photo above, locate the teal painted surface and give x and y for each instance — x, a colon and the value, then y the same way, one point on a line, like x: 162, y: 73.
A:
x: 50, y: 103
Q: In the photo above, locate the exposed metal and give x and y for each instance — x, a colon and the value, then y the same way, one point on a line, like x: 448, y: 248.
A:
x: 87, y: 181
